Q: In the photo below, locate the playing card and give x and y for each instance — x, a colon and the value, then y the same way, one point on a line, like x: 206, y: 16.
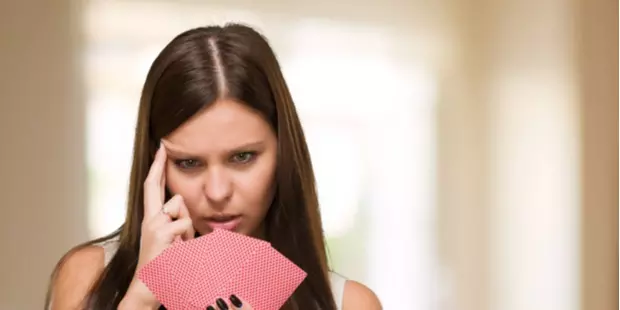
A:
x: 193, y: 274
x: 267, y: 280
x: 187, y: 257
x: 230, y: 252
x: 158, y: 277
x: 176, y: 267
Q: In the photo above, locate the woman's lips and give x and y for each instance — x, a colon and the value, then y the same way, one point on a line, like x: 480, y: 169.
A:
x: 228, y: 222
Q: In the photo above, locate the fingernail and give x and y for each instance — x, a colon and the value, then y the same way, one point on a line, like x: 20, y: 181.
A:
x: 235, y: 301
x: 222, y: 304
x: 210, y: 308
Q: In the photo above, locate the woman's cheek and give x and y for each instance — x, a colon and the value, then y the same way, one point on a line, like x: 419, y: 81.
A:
x: 189, y: 188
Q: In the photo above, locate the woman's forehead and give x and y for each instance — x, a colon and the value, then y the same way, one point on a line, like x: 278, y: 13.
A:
x: 225, y: 125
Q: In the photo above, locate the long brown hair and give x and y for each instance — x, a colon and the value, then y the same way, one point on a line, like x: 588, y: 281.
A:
x: 194, y: 70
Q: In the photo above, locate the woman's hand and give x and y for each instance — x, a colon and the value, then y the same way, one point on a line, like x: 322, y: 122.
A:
x: 161, y: 226
x: 233, y: 302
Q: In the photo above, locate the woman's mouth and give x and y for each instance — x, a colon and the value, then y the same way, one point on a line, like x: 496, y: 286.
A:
x: 227, y: 222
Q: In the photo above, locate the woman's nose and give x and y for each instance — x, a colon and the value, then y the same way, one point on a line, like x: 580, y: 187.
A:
x: 217, y: 185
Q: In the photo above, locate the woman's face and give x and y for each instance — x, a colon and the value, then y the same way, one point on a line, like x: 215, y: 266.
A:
x: 222, y: 162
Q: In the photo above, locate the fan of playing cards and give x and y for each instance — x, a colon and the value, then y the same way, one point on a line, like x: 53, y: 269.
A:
x: 193, y: 274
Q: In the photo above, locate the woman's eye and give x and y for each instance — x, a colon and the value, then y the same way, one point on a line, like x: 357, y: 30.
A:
x: 243, y: 157
x: 187, y: 163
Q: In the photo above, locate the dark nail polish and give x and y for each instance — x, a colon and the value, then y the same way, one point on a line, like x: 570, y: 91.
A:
x: 210, y: 308
x: 235, y: 301
x: 222, y: 304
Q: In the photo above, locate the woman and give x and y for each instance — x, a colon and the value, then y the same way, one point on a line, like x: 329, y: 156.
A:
x: 218, y: 144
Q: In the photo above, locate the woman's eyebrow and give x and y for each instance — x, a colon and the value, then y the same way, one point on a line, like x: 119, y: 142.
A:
x: 177, y: 152
x: 249, y: 145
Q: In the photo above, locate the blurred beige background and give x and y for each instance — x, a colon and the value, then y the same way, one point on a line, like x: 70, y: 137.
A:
x: 518, y: 208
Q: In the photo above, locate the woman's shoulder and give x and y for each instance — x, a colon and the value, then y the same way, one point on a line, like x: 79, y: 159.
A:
x: 81, y: 261
x: 74, y: 275
x: 359, y: 296
x: 350, y: 294
x: 78, y: 270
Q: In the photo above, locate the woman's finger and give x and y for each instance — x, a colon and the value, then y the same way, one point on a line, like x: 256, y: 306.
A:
x: 184, y: 214
x: 221, y: 304
x: 173, y: 207
x: 167, y: 213
x: 162, y: 180
x: 233, y: 303
x: 152, y: 185
x: 238, y: 304
x: 178, y: 228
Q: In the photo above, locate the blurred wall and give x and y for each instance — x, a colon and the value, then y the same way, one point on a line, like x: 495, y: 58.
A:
x: 528, y: 150
x: 42, y: 157
x: 597, y: 37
